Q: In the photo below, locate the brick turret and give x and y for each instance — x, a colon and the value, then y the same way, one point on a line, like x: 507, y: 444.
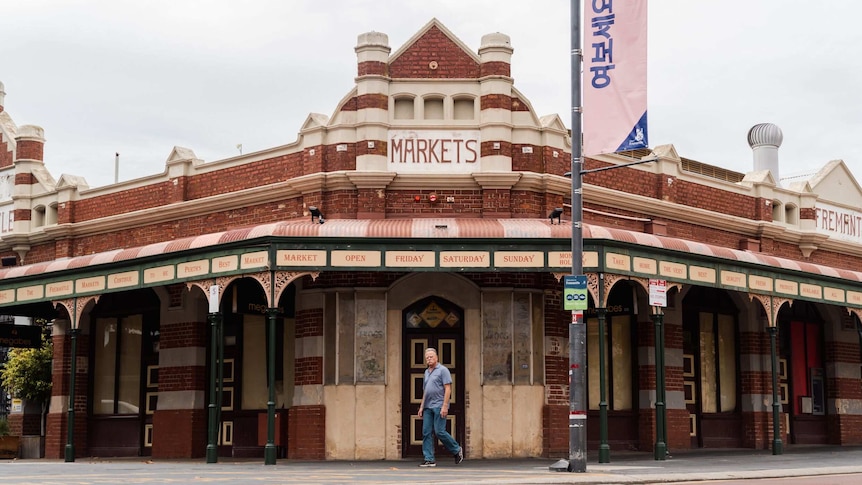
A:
x: 30, y: 142
x: 496, y: 55
x: 372, y: 54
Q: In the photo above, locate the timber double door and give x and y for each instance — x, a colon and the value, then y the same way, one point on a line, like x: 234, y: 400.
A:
x: 431, y: 323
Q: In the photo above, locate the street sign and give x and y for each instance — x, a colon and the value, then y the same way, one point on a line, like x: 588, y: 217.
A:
x: 213, y: 299
x: 575, y: 292
x: 658, y: 293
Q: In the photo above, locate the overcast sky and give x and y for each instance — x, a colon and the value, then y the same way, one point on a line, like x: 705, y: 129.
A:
x: 141, y: 77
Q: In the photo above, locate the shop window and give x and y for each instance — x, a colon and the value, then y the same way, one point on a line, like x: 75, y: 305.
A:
x: 801, y: 346
x: 618, y: 362
x: 717, y: 363
x: 255, y: 343
x: 464, y: 109
x: 512, y: 338
x: 117, y: 372
x: 404, y: 109
x: 434, y: 108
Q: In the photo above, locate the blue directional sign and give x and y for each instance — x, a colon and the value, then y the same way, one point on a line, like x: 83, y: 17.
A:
x: 575, y: 292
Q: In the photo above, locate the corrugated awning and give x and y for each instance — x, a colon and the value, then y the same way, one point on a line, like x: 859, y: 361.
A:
x: 440, y: 228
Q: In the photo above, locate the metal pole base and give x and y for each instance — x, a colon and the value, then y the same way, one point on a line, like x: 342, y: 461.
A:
x: 660, y: 451
x: 269, y: 454
x: 777, y: 447
x: 212, y: 454
x: 604, y: 453
x: 69, y: 454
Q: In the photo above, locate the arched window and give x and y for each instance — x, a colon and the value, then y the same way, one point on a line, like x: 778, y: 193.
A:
x: 51, y: 214
x: 791, y: 214
x: 434, y: 108
x: 464, y: 108
x: 38, y: 216
x: 404, y: 108
x: 777, y: 211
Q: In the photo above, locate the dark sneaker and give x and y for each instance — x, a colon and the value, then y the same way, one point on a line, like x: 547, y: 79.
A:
x: 426, y: 464
x: 459, y: 457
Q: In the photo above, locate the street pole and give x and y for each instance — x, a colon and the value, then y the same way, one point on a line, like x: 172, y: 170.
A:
x: 577, y: 461
x: 577, y: 329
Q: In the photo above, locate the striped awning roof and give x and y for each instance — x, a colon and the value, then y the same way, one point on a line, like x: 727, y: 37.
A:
x: 438, y: 228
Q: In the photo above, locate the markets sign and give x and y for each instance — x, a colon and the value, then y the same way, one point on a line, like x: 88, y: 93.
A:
x: 24, y: 336
x: 433, y: 151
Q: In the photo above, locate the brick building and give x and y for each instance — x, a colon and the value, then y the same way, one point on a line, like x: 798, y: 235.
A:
x: 418, y: 215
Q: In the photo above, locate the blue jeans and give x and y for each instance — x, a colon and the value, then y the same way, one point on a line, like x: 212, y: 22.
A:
x: 434, y: 424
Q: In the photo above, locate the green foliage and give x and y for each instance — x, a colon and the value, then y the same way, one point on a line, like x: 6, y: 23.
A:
x: 4, y: 427
x: 27, y: 372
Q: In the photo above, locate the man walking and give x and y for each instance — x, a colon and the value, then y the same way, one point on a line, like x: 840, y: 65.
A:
x: 436, y: 391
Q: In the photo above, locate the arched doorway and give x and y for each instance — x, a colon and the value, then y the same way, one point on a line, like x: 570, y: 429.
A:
x: 801, y: 373
x: 124, y: 356
x: 621, y: 378
x: 244, y: 392
x: 431, y: 322
x: 710, y: 363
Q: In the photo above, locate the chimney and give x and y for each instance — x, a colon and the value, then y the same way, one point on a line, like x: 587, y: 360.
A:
x: 372, y: 54
x: 2, y: 96
x: 764, y: 140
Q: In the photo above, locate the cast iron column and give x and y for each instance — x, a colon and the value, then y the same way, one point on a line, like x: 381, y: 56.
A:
x: 604, y: 448
x: 777, y: 446
x: 269, y: 449
x: 70, y: 421
x: 660, y: 448
x: 212, y: 433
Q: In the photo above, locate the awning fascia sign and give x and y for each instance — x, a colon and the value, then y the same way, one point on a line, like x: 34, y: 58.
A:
x: 458, y: 255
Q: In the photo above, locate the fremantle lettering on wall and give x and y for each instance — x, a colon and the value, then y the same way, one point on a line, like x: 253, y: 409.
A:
x: 838, y: 222
x: 429, y: 151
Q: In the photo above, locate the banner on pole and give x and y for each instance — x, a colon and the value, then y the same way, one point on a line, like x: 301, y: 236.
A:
x: 615, y: 76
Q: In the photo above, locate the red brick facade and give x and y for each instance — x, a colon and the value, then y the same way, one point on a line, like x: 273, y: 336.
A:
x: 306, y: 439
x: 525, y: 182
x: 179, y: 433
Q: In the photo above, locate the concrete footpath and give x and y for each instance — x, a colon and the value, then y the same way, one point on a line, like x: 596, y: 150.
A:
x: 624, y: 468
